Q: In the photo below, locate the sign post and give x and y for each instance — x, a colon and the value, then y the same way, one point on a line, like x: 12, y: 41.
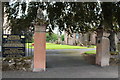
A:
x: 13, y: 46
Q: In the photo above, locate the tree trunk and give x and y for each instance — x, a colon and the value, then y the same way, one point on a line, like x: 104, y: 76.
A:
x: 112, y: 41
x: 108, y: 23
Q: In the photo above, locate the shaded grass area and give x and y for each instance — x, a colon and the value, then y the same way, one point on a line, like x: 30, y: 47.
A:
x: 94, y: 52
x: 58, y: 46
x: 91, y: 52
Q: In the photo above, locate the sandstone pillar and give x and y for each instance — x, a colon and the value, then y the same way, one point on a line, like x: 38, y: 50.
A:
x: 103, y: 52
x: 39, y: 48
x: 40, y: 42
x: 1, y: 27
x: 1, y: 24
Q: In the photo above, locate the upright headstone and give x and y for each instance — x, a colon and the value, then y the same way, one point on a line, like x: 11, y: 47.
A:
x: 65, y: 37
x: 102, y: 50
x: 80, y: 38
x: 39, y: 43
x: 93, y: 38
x: 59, y: 39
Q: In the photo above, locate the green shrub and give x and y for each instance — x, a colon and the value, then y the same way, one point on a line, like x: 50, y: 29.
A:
x: 51, y: 37
x: 62, y: 37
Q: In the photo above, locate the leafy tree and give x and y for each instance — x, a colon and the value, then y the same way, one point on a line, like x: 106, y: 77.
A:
x: 110, y: 21
x: 62, y: 37
x: 51, y: 37
x: 70, y: 16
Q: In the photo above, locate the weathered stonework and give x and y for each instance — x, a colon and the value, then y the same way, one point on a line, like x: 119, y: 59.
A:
x: 103, y: 52
x: 70, y: 40
x: 80, y: 39
x: 23, y: 63
x: 93, y: 38
x: 39, y: 51
x: 118, y: 36
x: 0, y: 25
x: 39, y: 43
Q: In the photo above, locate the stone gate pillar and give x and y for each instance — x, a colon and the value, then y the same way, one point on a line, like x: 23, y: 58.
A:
x: 1, y: 24
x: 39, y: 48
x: 102, y: 50
x: 40, y: 42
x: 1, y: 27
x: 118, y: 44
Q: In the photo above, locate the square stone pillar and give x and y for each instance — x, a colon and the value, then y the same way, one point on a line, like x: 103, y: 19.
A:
x: 39, y: 48
x: 118, y: 47
x: 118, y: 44
x: 1, y: 24
x: 102, y: 50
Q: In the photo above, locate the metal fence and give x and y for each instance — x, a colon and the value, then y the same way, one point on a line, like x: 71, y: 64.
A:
x: 29, y: 45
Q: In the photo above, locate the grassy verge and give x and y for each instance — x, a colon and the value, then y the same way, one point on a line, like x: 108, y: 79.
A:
x: 94, y: 52
x: 58, y: 46
x: 91, y: 52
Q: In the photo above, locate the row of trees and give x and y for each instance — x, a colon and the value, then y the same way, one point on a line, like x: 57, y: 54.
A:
x: 72, y: 17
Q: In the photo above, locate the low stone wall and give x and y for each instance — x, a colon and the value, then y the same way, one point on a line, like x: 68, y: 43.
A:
x: 23, y: 63
x: 91, y: 59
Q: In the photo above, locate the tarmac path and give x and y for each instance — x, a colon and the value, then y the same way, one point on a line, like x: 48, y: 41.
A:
x: 67, y: 64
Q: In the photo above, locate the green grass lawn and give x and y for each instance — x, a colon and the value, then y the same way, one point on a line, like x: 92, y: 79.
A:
x: 94, y: 52
x: 58, y: 46
x: 91, y: 52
